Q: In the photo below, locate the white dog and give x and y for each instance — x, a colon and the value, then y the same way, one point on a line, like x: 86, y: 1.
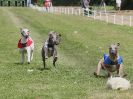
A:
x: 26, y: 44
x: 118, y: 83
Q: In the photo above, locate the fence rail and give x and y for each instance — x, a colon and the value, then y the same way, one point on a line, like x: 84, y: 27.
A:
x: 109, y: 17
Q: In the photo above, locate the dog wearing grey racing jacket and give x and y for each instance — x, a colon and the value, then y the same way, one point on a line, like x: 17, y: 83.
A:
x: 49, y: 47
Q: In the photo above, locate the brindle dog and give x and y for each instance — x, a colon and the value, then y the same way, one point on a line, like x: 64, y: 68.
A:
x: 49, y: 49
x: 112, y: 62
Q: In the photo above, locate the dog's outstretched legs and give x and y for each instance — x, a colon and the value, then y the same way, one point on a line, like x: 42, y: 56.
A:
x: 120, y: 71
x: 29, y: 55
x: 43, y: 56
x: 46, y: 52
x: 101, y: 66
x: 32, y: 50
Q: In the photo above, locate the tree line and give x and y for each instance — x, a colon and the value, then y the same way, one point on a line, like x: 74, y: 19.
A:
x: 126, y: 4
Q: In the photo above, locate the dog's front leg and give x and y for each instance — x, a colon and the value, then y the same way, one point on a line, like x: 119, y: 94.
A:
x: 32, y: 50
x: 28, y: 55
x: 120, y: 70
x: 46, y: 52
x: 22, y: 57
x: 99, y: 66
x: 31, y: 55
x: 43, y: 56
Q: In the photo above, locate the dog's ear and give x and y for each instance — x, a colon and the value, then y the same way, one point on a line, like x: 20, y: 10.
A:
x: 60, y: 35
x: 118, y: 44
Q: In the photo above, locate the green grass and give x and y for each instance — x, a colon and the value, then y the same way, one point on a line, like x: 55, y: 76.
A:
x: 84, y: 41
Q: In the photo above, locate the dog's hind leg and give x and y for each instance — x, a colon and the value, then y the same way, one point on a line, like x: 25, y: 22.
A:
x: 120, y: 70
x: 43, y: 57
x: 54, y: 56
x: 54, y: 60
x: 44, y: 63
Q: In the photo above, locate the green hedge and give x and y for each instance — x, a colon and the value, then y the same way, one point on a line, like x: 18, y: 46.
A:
x: 12, y: 2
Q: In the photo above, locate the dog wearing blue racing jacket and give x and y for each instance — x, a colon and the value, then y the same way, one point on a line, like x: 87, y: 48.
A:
x: 111, y: 63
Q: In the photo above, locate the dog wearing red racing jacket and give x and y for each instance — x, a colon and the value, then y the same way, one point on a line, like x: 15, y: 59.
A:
x: 26, y: 44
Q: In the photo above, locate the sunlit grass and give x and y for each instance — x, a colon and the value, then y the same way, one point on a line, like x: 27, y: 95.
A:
x: 84, y: 41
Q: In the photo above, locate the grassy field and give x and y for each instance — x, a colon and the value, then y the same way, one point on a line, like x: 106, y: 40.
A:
x: 84, y: 41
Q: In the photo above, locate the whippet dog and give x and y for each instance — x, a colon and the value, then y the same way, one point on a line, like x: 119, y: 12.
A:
x: 49, y: 47
x: 26, y: 44
x: 111, y: 63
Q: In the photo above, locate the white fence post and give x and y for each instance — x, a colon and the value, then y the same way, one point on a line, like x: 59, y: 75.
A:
x: 107, y: 18
x: 130, y: 20
x: 68, y: 11
x: 72, y: 11
x: 75, y: 11
x: 79, y: 11
x: 122, y: 20
x: 88, y: 13
x: 100, y: 15
x: 114, y: 18
x: 54, y: 9
x: 65, y: 10
x: 83, y: 12
x: 94, y: 15
x: 62, y: 10
x: 59, y: 10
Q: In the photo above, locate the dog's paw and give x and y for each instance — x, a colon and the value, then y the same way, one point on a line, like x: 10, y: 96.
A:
x: 95, y: 74
x: 124, y: 75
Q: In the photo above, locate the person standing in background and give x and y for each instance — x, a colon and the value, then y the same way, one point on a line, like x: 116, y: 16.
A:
x: 85, y: 6
x: 47, y: 4
x: 118, y: 5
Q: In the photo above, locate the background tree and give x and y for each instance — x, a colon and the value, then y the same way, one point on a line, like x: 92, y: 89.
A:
x: 127, y: 5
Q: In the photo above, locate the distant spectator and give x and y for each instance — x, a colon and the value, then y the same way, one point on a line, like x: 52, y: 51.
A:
x: 85, y: 3
x: 85, y: 6
x: 47, y: 4
x: 118, y: 5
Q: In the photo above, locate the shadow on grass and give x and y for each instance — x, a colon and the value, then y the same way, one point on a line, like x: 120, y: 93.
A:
x: 17, y: 63
x: 42, y: 69
x: 100, y: 76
